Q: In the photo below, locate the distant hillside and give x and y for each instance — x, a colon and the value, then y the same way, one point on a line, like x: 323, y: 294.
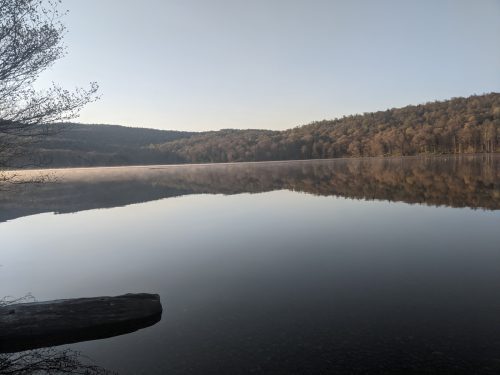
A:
x: 456, y: 126
x: 92, y: 145
x: 459, y: 125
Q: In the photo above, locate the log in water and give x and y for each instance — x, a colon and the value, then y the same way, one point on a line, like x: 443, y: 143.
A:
x: 34, y: 325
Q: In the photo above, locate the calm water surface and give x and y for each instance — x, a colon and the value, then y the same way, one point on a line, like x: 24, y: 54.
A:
x: 347, y: 266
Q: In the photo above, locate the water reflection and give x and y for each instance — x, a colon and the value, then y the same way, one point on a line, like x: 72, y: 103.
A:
x: 49, y: 361
x: 293, y: 281
x: 442, y: 181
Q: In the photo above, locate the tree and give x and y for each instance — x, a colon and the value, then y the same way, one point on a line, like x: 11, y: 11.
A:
x: 31, y: 36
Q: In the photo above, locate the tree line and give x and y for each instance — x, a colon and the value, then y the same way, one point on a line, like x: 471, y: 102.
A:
x: 31, y: 40
x: 456, y: 126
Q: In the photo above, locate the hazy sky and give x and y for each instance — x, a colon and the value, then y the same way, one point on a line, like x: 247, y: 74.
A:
x: 212, y: 64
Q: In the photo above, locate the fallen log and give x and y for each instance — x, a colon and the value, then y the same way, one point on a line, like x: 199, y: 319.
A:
x: 27, y: 326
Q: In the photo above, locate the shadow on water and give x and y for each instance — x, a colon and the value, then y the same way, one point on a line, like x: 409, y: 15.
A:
x: 466, y: 181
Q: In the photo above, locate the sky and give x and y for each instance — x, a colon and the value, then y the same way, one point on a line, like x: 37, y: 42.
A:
x: 274, y: 64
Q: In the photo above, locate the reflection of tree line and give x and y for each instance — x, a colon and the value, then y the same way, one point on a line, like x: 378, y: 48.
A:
x: 454, y: 183
x: 450, y: 181
x: 457, y: 182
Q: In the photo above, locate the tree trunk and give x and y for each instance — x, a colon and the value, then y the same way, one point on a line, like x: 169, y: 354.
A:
x: 29, y: 326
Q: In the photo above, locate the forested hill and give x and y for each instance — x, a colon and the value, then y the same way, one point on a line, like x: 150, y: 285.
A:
x: 101, y: 145
x: 459, y: 125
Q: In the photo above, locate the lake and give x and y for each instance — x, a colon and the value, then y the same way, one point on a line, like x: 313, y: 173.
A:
x: 312, y: 267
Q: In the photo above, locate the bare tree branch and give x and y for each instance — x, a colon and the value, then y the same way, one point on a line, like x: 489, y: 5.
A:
x: 31, y: 40
x: 49, y: 361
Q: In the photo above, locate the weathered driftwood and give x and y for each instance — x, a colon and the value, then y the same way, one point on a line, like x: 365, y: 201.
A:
x: 28, y: 326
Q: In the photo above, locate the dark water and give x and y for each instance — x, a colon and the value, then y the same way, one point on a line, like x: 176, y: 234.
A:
x: 348, y: 266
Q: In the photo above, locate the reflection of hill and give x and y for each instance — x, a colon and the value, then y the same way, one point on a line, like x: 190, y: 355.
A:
x: 450, y: 181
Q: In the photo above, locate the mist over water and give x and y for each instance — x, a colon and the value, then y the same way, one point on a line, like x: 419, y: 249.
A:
x: 358, y: 266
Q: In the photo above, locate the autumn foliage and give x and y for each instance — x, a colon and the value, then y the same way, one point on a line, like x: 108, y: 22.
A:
x: 456, y: 126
